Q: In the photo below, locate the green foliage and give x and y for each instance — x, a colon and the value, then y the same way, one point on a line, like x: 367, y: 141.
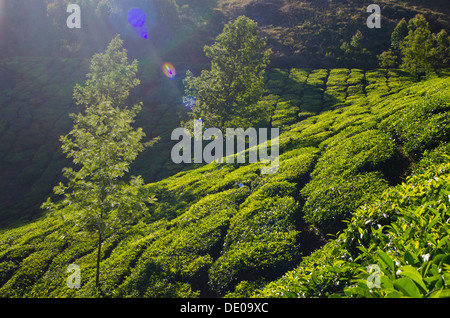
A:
x: 355, y: 77
x: 414, y: 262
x: 387, y: 59
x: 339, y: 183
x: 183, y: 248
x: 357, y: 40
x: 399, y: 34
x: 423, y: 125
x: 285, y: 114
x: 442, y: 58
x: 416, y: 49
x: 330, y: 200
x: 228, y: 94
x: 405, y: 234
x: 104, y: 143
x: 261, y: 240
x: 110, y: 79
x: 229, y: 229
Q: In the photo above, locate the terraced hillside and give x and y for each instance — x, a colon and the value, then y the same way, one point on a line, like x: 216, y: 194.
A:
x: 349, y: 139
x: 36, y: 101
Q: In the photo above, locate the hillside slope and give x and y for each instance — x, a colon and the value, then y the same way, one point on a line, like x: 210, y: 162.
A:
x: 223, y: 228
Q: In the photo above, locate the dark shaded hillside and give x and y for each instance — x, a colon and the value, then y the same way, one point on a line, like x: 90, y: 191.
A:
x: 301, y: 33
x: 310, y: 33
x: 36, y: 100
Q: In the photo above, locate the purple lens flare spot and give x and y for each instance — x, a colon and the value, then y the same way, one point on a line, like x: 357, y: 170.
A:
x: 136, y: 17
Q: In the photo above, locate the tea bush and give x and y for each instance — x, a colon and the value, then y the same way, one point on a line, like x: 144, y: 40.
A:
x: 261, y: 241
x: 405, y: 234
x: 424, y: 125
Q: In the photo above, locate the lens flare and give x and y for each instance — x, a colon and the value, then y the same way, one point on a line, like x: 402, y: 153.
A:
x: 169, y: 70
x: 142, y: 32
x: 137, y: 18
x: 133, y: 20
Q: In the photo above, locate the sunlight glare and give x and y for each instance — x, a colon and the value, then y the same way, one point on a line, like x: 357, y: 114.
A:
x: 169, y: 70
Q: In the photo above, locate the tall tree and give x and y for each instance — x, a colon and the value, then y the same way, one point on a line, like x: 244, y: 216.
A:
x: 111, y: 78
x: 399, y: 34
x: 228, y: 94
x: 357, y: 40
x: 103, y: 144
x: 442, y: 58
x: 417, y: 48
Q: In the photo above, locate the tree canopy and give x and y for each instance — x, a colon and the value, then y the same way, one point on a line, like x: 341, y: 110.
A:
x: 417, y: 48
x: 103, y: 143
x: 228, y: 94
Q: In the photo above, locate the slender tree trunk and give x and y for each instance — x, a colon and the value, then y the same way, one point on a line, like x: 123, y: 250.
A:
x: 97, y: 277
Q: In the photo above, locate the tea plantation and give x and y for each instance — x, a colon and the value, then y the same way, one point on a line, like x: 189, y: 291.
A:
x: 363, y: 180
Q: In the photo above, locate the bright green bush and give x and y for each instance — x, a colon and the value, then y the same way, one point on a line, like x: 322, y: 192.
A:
x: 405, y: 233
x: 355, y: 90
x: 413, y: 250
x: 341, y: 180
x: 299, y: 75
x: 317, y: 78
x: 355, y: 77
x: 329, y: 200
x: 297, y: 168
x: 272, y: 189
x: 363, y: 151
x: 338, y: 77
x: 376, y: 76
x: 296, y: 81
x: 422, y: 125
x: 184, y: 248
x: 434, y: 157
x: 261, y: 243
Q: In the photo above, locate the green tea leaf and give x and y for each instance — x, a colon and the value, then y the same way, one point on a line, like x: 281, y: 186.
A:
x: 411, y: 272
x: 386, y: 259
x: 386, y: 282
x: 409, y: 258
x: 407, y: 287
x: 443, y: 242
x: 441, y: 293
